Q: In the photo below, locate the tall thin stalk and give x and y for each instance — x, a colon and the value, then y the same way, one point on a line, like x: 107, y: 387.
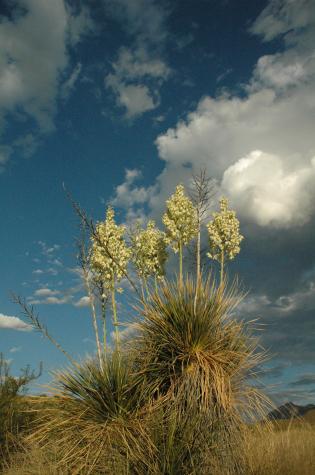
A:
x: 115, y: 317
x: 145, y: 280
x: 180, y: 262
x: 93, y: 314
x: 202, y: 191
x: 103, y: 305
x: 142, y: 289
x: 198, y: 245
x: 83, y: 259
x: 222, y: 268
x: 201, y: 194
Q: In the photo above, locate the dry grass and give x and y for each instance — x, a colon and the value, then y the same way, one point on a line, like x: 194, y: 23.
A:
x: 288, y: 449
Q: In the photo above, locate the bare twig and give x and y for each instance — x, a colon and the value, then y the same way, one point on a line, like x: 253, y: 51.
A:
x: 28, y: 312
x: 201, y: 193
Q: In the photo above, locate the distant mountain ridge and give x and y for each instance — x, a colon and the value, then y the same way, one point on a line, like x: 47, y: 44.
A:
x: 290, y: 410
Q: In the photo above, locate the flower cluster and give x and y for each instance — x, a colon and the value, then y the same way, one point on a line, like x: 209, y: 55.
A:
x: 109, y: 253
x: 180, y: 219
x: 224, y: 236
x: 149, y: 251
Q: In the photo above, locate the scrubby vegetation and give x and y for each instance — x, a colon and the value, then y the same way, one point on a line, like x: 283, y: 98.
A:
x: 15, y: 416
x: 176, y: 395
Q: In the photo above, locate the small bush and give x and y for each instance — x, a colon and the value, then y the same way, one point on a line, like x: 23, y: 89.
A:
x: 14, y: 416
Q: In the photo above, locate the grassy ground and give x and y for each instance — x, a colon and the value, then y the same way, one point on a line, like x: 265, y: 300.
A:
x: 288, y: 449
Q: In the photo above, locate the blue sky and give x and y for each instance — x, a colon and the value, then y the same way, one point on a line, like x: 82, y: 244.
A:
x: 122, y: 99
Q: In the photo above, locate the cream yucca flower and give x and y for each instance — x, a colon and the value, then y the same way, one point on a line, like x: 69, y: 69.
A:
x: 109, y: 253
x: 149, y: 251
x: 180, y: 219
x: 224, y: 235
x: 181, y: 223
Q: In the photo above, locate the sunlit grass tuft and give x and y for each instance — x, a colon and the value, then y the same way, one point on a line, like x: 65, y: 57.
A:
x: 95, y: 419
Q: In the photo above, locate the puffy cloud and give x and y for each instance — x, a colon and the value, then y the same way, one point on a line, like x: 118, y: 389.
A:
x: 83, y: 302
x: 225, y: 128
x: 131, y: 197
x: 135, y: 99
x: 135, y: 80
x: 35, y: 41
x: 139, y: 64
x: 278, y: 72
x: 33, y: 52
x: 264, y: 191
x: 45, y: 292
x: 13, y: 323
x: 128, y: 195
x: 51, y: 300
x: 139, y: 70
x: 284, y: 17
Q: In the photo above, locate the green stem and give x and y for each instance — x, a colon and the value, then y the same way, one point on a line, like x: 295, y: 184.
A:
x: 156, y: 284
x: 142, y: 288
x: 180, y: 262
x: 94, y: 317
x: 198, y: 249
x: 198, y: 273
x: 115, y: 319
x: 222, y: 268
x: 146, y: 285
x: 104, y: 326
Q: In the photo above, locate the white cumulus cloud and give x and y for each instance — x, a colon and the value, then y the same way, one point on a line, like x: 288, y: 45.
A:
x: 13, y: 323
x: 265, y: 192
x: 275, y: 116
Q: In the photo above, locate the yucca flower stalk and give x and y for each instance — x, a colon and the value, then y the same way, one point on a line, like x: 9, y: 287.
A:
x: 224, y: 236
x: 109, y: 258
x: 148, y: 253
x: 181, y: 223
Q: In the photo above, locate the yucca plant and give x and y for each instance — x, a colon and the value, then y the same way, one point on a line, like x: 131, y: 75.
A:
x: 195, y: 360
x: 175, y: 398
x: 96, y: 419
